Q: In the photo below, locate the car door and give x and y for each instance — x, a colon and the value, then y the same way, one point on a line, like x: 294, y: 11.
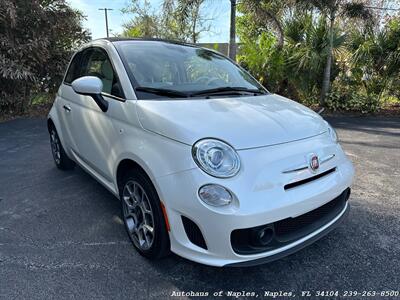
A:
x: 93, y: 130
x: 64, y: 98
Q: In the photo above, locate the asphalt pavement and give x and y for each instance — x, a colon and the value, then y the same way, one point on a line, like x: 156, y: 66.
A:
x: 61, y: 234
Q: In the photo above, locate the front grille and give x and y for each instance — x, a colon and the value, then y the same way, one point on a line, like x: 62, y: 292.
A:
x: 304, y: 181
x: 288, y: 230
x: 294, y: 228
x: 193, y: 233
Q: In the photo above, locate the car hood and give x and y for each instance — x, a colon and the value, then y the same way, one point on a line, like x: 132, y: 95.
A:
x: 245, y: 122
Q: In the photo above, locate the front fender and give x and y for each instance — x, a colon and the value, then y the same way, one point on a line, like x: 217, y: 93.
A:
x: 157, y: 155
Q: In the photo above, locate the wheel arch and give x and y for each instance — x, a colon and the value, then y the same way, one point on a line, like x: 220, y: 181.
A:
x: 50, y: 124
x: 163, y: 246
x: 130, y: 164
x: 54, y: 120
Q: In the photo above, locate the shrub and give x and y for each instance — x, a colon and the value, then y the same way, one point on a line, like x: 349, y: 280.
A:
x: 36, y: 41
x: 353, y: 101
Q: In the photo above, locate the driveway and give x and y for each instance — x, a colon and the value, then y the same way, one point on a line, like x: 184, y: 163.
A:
x: 61, y: 235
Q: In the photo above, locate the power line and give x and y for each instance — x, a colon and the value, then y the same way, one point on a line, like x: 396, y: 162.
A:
x: 383, y: 8
x: 106, y: 17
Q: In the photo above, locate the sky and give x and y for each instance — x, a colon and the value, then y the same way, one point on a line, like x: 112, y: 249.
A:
x: 95, y: 22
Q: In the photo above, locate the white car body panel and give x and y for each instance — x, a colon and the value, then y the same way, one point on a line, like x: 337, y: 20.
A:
x: 246, y: 122
x: 270, y: 133
x: 259, y: 188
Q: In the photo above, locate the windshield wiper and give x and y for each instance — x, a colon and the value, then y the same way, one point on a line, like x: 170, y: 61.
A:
x: 217, y: 91
x: 228, y: 90
x: 162, y: 92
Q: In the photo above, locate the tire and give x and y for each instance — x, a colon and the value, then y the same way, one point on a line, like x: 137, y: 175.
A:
x: 62, y: 161
x: 143, y: 216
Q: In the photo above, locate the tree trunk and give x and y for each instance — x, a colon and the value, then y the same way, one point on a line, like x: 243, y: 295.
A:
x: 278, y: 27
x: 26, y: 98
x: 195, y: 15
x: 328, y: 66
x: 232, y: 35
x: 194, y: 41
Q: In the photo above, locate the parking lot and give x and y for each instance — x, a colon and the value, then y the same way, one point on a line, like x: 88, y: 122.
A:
x: 61, y: 235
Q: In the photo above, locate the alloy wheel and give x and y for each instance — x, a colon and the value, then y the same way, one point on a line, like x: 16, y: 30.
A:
x: 138, y: 215
x: 55, y: 147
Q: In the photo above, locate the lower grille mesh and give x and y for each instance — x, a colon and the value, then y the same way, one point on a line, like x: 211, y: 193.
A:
x: 294, y: 228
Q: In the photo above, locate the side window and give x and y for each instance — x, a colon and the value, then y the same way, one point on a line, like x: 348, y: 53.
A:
x: 96, y: 63
x: 73, y: 70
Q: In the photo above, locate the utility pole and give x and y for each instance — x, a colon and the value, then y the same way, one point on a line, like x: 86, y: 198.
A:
x: 106, y: 17
x: 232, y: 33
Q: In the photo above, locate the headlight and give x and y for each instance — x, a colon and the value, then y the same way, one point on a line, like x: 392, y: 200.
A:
x: 216, y: 158
x: 332, y: 133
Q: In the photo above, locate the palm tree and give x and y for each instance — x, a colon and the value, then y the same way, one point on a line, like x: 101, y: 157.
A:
x: 232, y: 32
x: 377, y: 54
x: 331, y: 9
x: 305, y: 44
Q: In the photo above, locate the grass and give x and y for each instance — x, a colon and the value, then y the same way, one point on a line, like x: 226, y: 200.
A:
x: 41, y: 98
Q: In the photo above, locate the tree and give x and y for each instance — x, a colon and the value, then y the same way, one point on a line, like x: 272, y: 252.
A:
x: 145, y: 23
x: 232, y: 32
x: 167, y: 23
x: 270, y: 15
x: 330, y: 10
x: 376, y: 58
x: 185, y: 7
x: 189, y: 20
x: 293, y: 69
x: 267, y: 14
x: 36, y: 42
x: 361, y: 47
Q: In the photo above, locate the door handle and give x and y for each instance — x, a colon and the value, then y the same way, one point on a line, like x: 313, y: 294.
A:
x: 67, y: 108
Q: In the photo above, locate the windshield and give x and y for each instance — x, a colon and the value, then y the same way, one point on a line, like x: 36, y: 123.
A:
x: 162, y: 69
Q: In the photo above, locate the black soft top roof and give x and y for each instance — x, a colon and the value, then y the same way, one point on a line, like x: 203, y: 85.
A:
x: 119, y: 39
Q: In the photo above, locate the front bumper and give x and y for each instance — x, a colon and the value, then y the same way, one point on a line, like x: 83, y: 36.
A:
x: 260, y: 198
x: 299, y: 244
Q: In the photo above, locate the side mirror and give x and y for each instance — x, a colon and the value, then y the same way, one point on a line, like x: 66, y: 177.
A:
x: 90, y: 86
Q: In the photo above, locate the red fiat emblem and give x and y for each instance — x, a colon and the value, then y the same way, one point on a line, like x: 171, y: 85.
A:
x: 314, y: 162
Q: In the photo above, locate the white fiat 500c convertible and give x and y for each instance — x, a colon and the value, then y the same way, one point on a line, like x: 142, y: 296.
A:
x: 206, y: 162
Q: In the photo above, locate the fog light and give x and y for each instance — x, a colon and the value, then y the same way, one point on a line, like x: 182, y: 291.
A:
x: 262, y: 236
x: 215, y: 195
x: 265, y: 236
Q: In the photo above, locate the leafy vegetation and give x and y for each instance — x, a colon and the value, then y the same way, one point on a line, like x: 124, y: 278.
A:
x: 290, y: 53
x: 341, y: 54
x: 169, y: 22
x: 37, y: 38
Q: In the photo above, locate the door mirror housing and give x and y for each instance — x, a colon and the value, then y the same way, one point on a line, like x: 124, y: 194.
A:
x: 90, y: 86
x: 87, y: 85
